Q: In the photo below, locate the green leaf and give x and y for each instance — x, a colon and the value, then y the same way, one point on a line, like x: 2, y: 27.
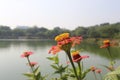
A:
x: 29, y: 74
x: 36, y: 70
x: 107, y: 67
x: 38, y: 76
x: 61, y: 69
x: 50, y: 58
x: 85, y: 73
x: 54, y: 58
x: 55, y: 67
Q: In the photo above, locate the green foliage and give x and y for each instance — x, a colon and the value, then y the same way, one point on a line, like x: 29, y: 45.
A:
x: 85, y: 73
x: 35, y: 75
x: 55, y: 59
x: 114, y: 75
x: 59, y: 69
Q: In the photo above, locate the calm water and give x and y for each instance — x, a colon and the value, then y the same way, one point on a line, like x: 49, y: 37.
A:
x: 12, y: 65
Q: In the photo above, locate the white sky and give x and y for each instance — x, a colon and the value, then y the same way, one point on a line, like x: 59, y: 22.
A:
x: 67, y: 14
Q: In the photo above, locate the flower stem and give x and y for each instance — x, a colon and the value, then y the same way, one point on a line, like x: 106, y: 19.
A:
x: 112, y: 60
x: 30, y: 64
x: 95, y: 75
x: 80, y: 70
x: 73, y: 66
x: 101, y: 76
x: 31, y: 67
x: 109, y: 53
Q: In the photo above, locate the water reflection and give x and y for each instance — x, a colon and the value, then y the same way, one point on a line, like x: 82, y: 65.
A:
x: 92, y: 48
x: 10, y: 52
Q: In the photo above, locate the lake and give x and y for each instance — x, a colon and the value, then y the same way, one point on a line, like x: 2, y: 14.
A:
x: 12, y: 66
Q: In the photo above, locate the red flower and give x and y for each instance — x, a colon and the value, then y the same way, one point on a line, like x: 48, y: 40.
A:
x: 76, y: 57
x: 26, y: 54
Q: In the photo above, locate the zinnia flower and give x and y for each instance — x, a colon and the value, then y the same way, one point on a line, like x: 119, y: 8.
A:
x: 65, y: 42
x: 93, y: 68
x: 26, y: 54
x: 33, y: 64
x: 106, y: 44
x: 77, y: 57
x: 54, y: 49
x: 76, y: 40
x: 98, y: 71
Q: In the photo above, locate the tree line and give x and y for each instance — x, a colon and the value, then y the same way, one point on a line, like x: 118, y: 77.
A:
x: 104, y: 30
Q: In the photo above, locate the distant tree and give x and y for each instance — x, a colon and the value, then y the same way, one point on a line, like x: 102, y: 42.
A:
x: 5, y: 32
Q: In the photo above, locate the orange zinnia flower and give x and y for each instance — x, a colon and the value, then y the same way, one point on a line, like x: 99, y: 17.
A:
x: 26, y: 54
x: 106, y: 44
x: 65, y: 42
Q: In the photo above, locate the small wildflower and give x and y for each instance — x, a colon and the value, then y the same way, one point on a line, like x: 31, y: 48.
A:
x: 26, y: 54
x: 98, y: 71
x: 93, y: 68
x: 33, y: 64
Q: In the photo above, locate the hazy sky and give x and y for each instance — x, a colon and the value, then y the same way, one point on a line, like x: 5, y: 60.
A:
x: 63, y: 13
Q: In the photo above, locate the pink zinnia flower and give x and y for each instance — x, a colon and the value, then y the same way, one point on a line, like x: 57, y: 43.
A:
x: 54, y: 49
x: 76, y: 40
x: 65, y: 41
x: 33, y: 64
x: 98, y: 71
x: 26, y: 54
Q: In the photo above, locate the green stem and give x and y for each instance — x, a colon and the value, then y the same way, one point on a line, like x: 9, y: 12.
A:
x: 95, y: 75
x: 80, y: 71
x: 101, y: 76
x: 31, y: 67
x: 73, y: 66
x: 111, y: 58
x: 109, y: 53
